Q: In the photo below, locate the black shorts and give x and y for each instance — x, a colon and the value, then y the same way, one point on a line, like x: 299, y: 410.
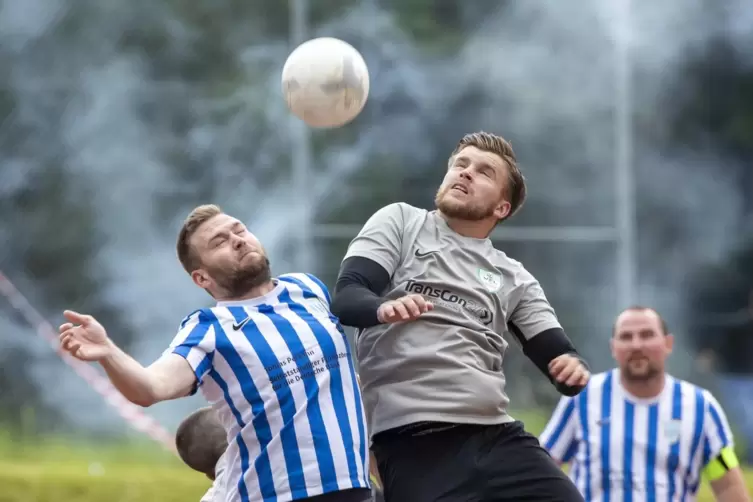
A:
x: 352, y: 495
x: 470, y: 463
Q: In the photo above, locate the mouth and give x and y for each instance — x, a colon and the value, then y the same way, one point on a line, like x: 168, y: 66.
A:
x: 637, y: 359
x: 457, y: 187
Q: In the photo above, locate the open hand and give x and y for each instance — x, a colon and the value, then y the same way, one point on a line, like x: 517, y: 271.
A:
x: 405, y: 308
x: 84, y: 338
x: 569, y: 370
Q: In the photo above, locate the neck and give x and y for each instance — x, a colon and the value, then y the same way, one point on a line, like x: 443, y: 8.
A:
x: 254, y: 292
x: 644, y: 389
x: 476, y: 229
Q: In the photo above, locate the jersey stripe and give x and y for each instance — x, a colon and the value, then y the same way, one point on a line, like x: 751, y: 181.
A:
x: 321, y: 286
x: 349, y: 416
x: 559, y: 423
x: 336, y: 384
x: 653, y: 436
x: 606, y: 427
x: 286, y: 403
x: 583, y: 408
x: 718, y: 423
x: 260, y: 423
x: 700, y: 406
x: 322, y: 448
x: 627, y: 461
x: 674, y: 452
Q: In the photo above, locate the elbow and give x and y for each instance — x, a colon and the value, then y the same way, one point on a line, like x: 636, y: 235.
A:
x: 336, y: 306
x: 339, y: 309
x: 145, y: 401
x: 144, y: 396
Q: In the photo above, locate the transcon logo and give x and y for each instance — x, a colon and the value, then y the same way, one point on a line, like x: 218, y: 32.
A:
x: 450, y: 299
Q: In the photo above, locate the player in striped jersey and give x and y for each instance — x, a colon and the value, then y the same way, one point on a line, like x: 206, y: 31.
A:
x: 636, y: 433
x: 269, y: 357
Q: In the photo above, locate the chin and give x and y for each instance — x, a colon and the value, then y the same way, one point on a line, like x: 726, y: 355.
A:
x: 452, y: 207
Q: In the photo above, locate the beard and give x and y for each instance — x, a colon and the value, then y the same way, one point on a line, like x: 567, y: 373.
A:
x: 648, y: 370
x: 239, y: 281
x: 469, y: 211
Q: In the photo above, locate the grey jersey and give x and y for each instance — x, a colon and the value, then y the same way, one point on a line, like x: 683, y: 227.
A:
x: 446, y: 365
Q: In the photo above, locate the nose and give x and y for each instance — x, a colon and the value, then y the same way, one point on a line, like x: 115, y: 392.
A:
x: 466, y: 173
x: 238, y: 243
x: 636, y: 343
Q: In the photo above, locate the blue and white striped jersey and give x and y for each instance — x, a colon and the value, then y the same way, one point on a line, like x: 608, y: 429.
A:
x: 279, y: 371
x: 622, y: 448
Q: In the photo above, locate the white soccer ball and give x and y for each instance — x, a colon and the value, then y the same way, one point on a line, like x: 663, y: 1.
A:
x: 325, y: 82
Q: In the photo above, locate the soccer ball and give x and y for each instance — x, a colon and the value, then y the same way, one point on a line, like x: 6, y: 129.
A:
x: 325, y: 82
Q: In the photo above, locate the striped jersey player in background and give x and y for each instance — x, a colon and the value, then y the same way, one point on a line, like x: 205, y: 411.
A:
x: 636, y: 433
x: 269, y: 357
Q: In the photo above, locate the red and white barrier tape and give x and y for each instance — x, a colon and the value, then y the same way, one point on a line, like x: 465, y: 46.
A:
x: 131, y: 413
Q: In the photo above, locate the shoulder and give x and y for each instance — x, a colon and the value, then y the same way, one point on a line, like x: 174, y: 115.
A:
x: 309, y: 284
x: 401, y: 210
x: 512, y: 266
x: 700, y: 395
x: 198, y: 316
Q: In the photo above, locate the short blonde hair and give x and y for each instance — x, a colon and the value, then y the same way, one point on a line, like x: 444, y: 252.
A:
x: 516, y: 189
x: 186, y: 253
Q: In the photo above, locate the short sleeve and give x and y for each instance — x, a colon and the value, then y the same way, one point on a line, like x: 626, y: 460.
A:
x: 195, y: 342
x: 533, y: 313
x: 716, y: 430
x: 559, y: 436
x: 381, y: 238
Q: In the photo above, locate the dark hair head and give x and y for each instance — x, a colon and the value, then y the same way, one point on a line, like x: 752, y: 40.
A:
x: 201, y: 440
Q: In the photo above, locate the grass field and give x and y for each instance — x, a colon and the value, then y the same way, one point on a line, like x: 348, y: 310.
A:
x: 56, y: 470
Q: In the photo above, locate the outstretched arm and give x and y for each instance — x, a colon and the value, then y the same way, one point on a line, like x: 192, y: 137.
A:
x: 169, y: 377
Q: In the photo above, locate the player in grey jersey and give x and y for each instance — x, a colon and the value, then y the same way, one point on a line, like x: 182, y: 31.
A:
x: 432, y: 299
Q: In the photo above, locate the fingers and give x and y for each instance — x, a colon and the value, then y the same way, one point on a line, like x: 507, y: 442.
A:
x: 77, y: 318
x: 569, y: 370
x: 411, y: 306
x: 401, y: 311
x: 422, y: 304
x: 68, y: 341
x: 557, y: 364
x: 386, y: 312
x: 404, y: 308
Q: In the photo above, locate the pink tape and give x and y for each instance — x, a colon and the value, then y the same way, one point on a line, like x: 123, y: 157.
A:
x: 131, y: 413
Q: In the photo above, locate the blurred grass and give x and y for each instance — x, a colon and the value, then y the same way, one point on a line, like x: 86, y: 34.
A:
x: 47, y: 469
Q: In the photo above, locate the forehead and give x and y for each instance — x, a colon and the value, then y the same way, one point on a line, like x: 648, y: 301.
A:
x: 212, y: 227
x: 637, y: 320
x: 475, y: 154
